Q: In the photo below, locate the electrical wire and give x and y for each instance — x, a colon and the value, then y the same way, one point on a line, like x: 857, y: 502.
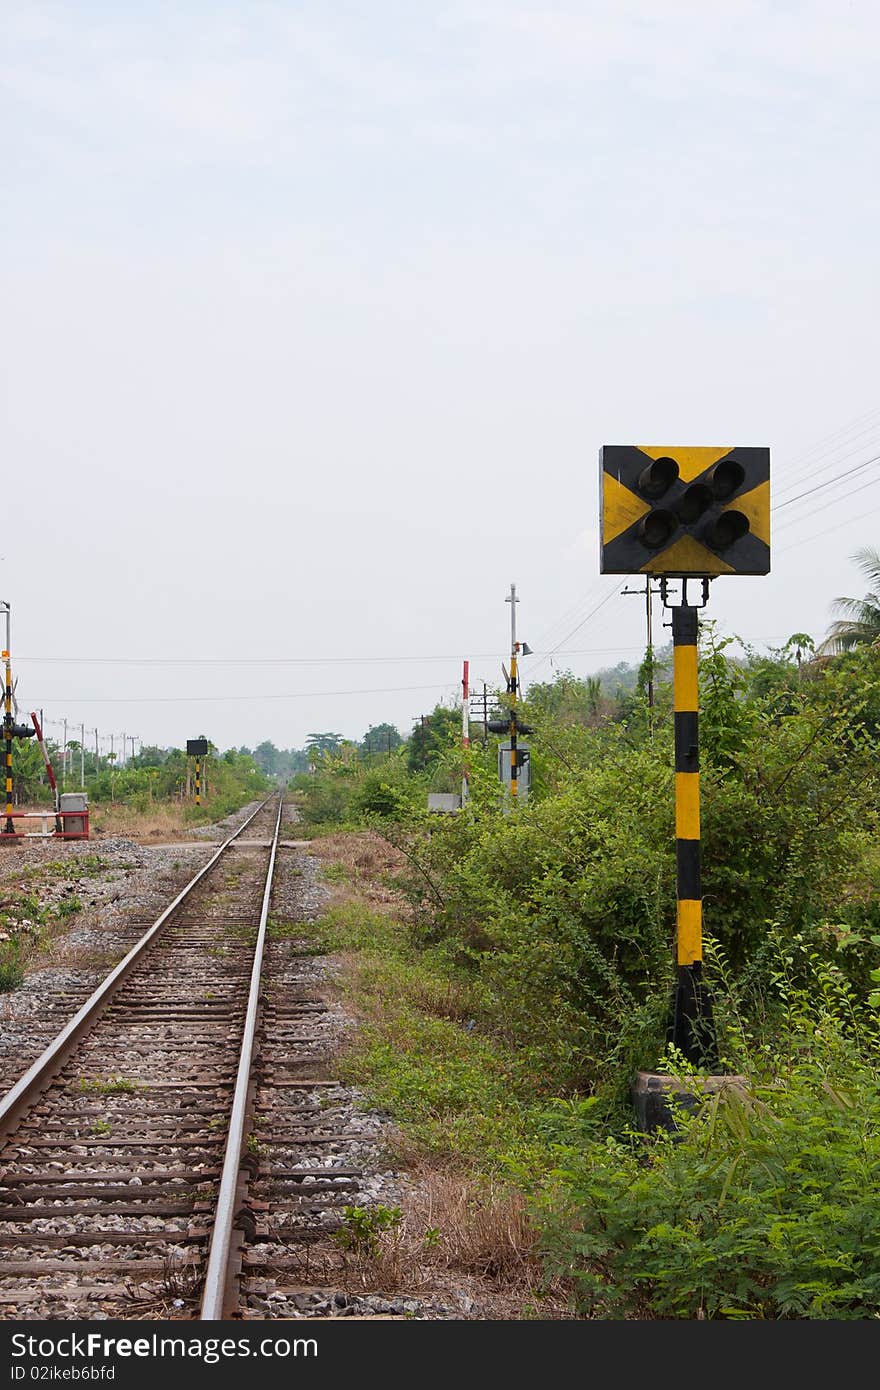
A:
x: 225, y: 699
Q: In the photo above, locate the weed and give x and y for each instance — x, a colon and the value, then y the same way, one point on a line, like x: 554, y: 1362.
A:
x: 68, y: 907
x: 334, y: 873
x: 101, y: 1127
x: 11, y: 968
x: 179, y: 1279
x: 109, y: 1086
x: 362, y: 1228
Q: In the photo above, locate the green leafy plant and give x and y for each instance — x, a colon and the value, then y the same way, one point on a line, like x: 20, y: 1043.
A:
x: 363, y: 1227
x: 107, y: 1086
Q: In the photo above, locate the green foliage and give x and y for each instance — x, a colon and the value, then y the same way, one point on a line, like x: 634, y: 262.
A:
x: 761, y: 1207
x: 363, y: 1227
x: 231, y: 781
x: 860, y: 623
x: 109, y: 1086
x: 504, y: 1022
x: 379, y: 739
x: 11, y: 967
x: 432, y: 736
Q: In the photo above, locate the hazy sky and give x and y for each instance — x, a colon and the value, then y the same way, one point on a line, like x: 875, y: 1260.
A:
x: 316, y: 315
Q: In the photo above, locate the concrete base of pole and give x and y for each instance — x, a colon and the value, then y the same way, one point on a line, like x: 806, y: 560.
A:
x: 657, y: 1096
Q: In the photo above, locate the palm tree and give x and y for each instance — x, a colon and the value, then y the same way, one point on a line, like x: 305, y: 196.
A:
x: 860, y: 625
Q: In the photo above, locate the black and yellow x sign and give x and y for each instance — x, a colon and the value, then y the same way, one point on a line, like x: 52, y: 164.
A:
x: 684, y: 511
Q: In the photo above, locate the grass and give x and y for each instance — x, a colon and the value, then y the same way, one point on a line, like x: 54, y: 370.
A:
x: 335, y: 873
x: 459, y: 1091
x: 28, y: 927
x: 106, y: 1086
x: 11, y: 967
x: 164, y: 821
x: 468, y: 1105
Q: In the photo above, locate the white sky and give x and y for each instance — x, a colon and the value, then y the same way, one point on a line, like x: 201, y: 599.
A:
x: 314, y: 318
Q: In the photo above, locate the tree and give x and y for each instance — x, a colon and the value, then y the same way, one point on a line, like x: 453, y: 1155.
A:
x: 434, y: 733
x: 380, y: 738
x: 323, y: 743
x: 861, y: 624
x: 266, y: 757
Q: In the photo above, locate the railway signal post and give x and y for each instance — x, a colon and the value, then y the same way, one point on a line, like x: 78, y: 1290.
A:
x: 11, y: 730
x: 8, y: 827
x: 690, y: 514
x: 197, y: 748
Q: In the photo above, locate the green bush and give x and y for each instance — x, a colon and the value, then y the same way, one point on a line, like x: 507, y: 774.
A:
x: 764, y: 1206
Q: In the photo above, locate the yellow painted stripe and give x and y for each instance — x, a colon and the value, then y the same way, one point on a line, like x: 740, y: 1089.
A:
x: 685, y: 693
x: 756, y: 506
x: 690, y: 931
x: 620, y: 508
x: 687, y: 556
x: 687, y: 805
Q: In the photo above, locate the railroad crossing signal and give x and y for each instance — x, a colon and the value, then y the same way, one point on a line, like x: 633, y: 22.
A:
x: 684, y: 511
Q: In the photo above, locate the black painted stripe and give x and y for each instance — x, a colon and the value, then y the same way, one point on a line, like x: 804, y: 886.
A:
x: 687, y: 856
x: 687, y: 741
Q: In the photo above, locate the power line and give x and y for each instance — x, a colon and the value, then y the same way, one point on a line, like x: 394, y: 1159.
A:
x: 224, y: 699
x: 592, y: 613
x: 830, y: 482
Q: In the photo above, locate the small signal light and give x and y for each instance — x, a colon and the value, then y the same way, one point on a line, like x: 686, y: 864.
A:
x: 658, y: 477
x: 655, y: 529
x: 730, y: 526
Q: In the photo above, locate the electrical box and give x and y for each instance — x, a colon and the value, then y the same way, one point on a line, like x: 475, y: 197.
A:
x: 523, y: 767
x: 74, y: 808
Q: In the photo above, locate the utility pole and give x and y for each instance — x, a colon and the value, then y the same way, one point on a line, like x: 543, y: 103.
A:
x: 64, y: 759
x: 511, y: 691
x: 465, y: 729
x: 648, y: 591
x: 82, y: 756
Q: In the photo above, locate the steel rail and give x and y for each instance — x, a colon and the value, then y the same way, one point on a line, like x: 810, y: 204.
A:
x: 217, y: 1274
x: 41, y: 1072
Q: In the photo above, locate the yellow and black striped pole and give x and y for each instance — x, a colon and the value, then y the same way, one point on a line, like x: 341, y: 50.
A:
x: 514, y: 769
x: 198, y: 782
x: 9, y: 828
x: 691, y: 1029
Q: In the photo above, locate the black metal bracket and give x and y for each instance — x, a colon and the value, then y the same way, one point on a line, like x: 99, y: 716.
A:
x: 664, y: 593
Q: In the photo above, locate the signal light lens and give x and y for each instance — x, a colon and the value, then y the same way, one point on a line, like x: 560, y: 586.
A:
x: 730, y: 527
x: 655, y: 529
x: 658, y: 477
x: 695, y: 500
x: 726, y: 478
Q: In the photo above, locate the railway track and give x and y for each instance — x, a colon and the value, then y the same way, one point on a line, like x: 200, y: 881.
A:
x: 174, y: 1144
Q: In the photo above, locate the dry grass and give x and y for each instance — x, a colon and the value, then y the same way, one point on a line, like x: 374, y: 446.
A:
x: 455, y: 1238
x: 368, y: 863
x: 86, y: 957
x: 363, y: 853
x: 162, y: 822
